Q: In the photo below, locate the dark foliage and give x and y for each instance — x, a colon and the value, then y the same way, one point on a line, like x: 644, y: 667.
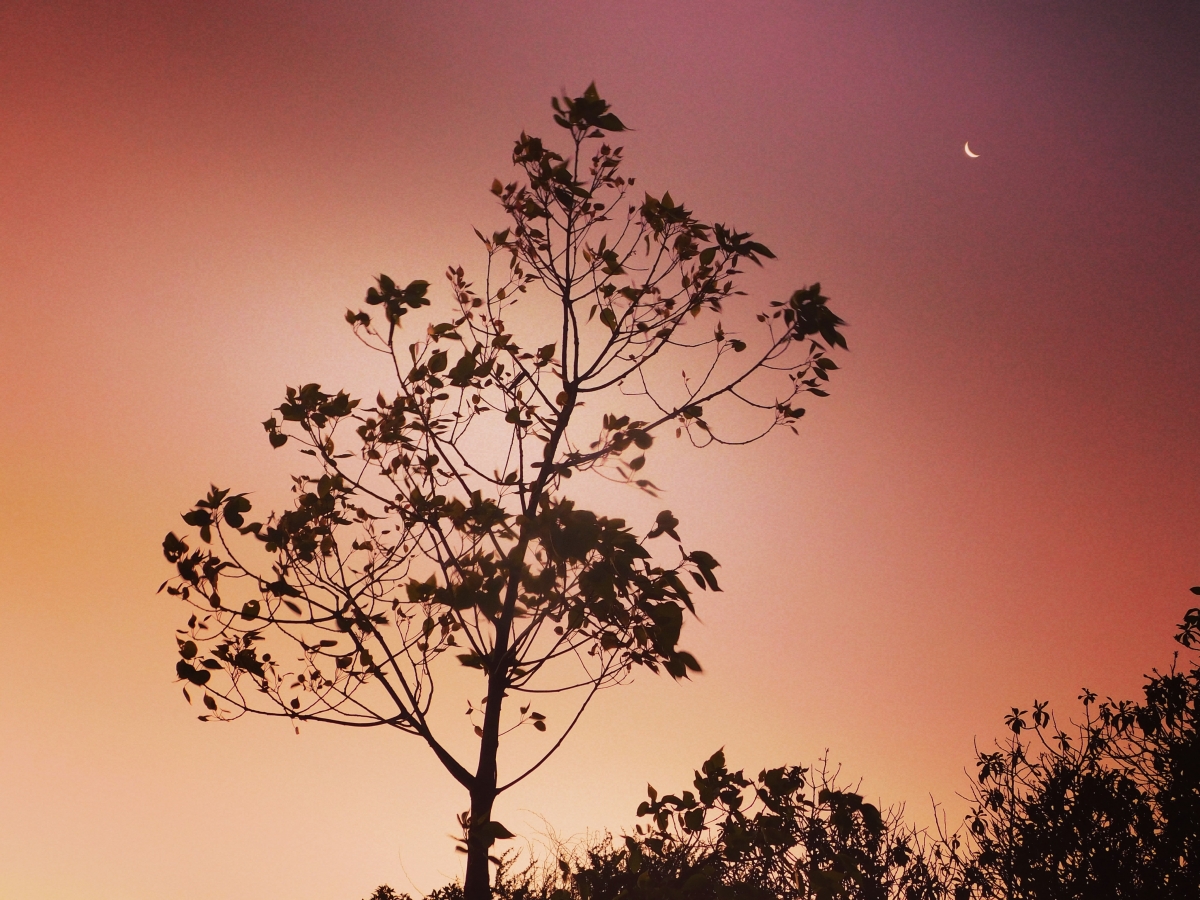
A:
x: 1108, y: 807
x: 792, y: 833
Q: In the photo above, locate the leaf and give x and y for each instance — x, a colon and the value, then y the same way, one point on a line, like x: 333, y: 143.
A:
x: 234, y: 507
x: 496, y: 831
x: 198, y: 677
x: 705, y: 563
x: 198, y: 518
x: 664, y: 524
x: 210, y: 702
x: 173, y: 548
x: 281, y: 588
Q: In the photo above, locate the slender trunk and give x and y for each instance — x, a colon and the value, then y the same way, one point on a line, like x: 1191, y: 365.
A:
x: 478, y: 882
x: 480, y: 836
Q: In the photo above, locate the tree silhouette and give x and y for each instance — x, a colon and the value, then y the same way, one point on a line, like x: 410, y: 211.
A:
x: 434, y: 527
x: 1107, y: 807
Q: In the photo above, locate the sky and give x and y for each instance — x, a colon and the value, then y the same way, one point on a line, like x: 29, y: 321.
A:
x: 999, y: 501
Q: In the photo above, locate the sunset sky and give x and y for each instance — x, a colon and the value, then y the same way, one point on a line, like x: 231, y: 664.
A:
x: 999, y: 501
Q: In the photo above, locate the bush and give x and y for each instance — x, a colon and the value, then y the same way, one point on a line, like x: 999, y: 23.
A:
x: 1107, y: 807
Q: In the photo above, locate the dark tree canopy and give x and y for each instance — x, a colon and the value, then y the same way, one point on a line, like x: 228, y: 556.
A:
x: 1107, y: 807
x: 433, y: 525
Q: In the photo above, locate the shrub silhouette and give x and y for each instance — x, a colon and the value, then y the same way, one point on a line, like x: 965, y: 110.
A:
x: 1106, y: 807
x: 792, y: 832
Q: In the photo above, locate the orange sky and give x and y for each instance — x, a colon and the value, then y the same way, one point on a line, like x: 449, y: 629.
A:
x: 1001, y: 499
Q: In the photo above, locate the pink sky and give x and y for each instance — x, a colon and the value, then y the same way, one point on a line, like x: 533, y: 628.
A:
x: 1001, y: 499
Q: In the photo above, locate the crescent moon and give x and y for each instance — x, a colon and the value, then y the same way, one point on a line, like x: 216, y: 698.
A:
x: 967, y: 147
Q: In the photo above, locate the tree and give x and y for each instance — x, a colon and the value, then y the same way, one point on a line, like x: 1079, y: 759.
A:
x: 1105, y: 808
x: 435, y: 527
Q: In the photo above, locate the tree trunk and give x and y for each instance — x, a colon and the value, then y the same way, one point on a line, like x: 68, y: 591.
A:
x: 478, y: 883
x: 481, y: 834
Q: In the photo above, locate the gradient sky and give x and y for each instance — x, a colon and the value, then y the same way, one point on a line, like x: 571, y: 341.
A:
x: 1000, y: 501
